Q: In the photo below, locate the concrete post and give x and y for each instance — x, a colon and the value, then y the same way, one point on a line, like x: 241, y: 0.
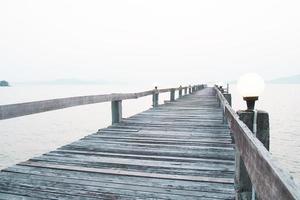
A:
x: 242, y: 181
x: 116, y: 111
x: 190, y: 89
x: 185, y: 91
x: 172, y: 95
x: 155, y: 97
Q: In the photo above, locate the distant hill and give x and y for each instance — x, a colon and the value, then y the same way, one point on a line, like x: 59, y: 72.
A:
x: 287, y: 80
x: 4, y: 83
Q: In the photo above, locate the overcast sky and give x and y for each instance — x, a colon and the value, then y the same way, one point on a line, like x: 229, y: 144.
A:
x: 148, y: 40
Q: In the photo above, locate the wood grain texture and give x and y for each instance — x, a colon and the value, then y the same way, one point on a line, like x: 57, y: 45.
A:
x: 269, y: 180
x: 179, y: 150
x: 22, y: 109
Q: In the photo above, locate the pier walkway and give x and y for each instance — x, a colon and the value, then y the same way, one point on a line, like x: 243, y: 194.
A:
x: 178, y: 150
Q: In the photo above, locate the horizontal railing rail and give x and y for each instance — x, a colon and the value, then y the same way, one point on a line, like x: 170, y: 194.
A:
x: 28, y: 108
x: 268, y: 179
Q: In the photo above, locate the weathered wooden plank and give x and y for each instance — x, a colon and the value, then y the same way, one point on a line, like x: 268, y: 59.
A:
x: 204, y: 142
x: 154, y: 151
x: 186, y: 132
x: 197, y: 165
x: 196, y: 146
x: 84, y: 187
x: 170, y: 128
x: 131, y: 180
x: 6, y: 196
x: 180, y: 150
x: 129, y: 173
x: 149, y: 157
x: 161, y: 167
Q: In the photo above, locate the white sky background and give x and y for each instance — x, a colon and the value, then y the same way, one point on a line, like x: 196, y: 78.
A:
x: 156, y: 40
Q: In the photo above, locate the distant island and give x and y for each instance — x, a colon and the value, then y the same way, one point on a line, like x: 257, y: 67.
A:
x: 287, y: 80
x: 4, y: 84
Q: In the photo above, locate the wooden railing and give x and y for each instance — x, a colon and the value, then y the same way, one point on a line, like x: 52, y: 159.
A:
x: 22, y: 109
x: 268, y: 179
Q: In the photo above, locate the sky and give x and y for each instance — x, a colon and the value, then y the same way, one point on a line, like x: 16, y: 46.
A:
x: 148, y: 41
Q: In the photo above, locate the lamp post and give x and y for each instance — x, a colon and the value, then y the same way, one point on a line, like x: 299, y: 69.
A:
x: 250, y: 86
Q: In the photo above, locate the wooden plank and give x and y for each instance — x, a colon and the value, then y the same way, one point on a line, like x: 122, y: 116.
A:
x: 160, y: 167
x: 129, y: 173
x: 88, y: 188
x: 180, y: 150
x: 149, y: 157
x: 6, y: 196
x: 197, y: 165
x: 131, y: 180
x: 154, y: 151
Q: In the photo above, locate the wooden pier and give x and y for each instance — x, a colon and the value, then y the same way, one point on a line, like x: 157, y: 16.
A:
x: 182, y: 149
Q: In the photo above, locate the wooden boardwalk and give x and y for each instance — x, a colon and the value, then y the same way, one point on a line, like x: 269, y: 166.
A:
x: 179, y: 150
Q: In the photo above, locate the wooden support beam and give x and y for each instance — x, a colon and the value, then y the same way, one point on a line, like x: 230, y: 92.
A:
x: 180, y: 91
x: 155, y: 97
x: 228, y: 98
x: 172, y: 95
x: 242, y: 179
x: 116, y: 111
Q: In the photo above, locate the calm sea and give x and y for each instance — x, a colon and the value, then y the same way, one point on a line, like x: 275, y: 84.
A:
x: 25, y: 137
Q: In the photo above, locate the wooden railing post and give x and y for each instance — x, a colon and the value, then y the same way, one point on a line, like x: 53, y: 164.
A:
x: 242, y: 181
x: 228, y: 98
x: 180, y: 91
x: 172, y: 95
x: 116, y: 111
x: 155, y: 97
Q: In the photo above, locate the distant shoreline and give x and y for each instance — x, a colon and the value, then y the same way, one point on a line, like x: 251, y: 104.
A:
x: 4, y: 83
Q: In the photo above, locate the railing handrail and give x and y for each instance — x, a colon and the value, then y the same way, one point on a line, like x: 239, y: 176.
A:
x: 28, y: 108
x: 268, y: 179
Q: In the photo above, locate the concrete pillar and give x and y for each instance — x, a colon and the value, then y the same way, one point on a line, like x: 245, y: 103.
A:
x: 185, y: 91
x: 116, y: 111
x: 243, y: 183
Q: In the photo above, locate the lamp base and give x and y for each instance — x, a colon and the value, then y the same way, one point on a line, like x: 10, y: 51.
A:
x: 250, y: 102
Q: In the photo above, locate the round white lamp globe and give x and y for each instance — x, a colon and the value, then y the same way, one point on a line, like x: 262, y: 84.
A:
x: 250, y: 85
